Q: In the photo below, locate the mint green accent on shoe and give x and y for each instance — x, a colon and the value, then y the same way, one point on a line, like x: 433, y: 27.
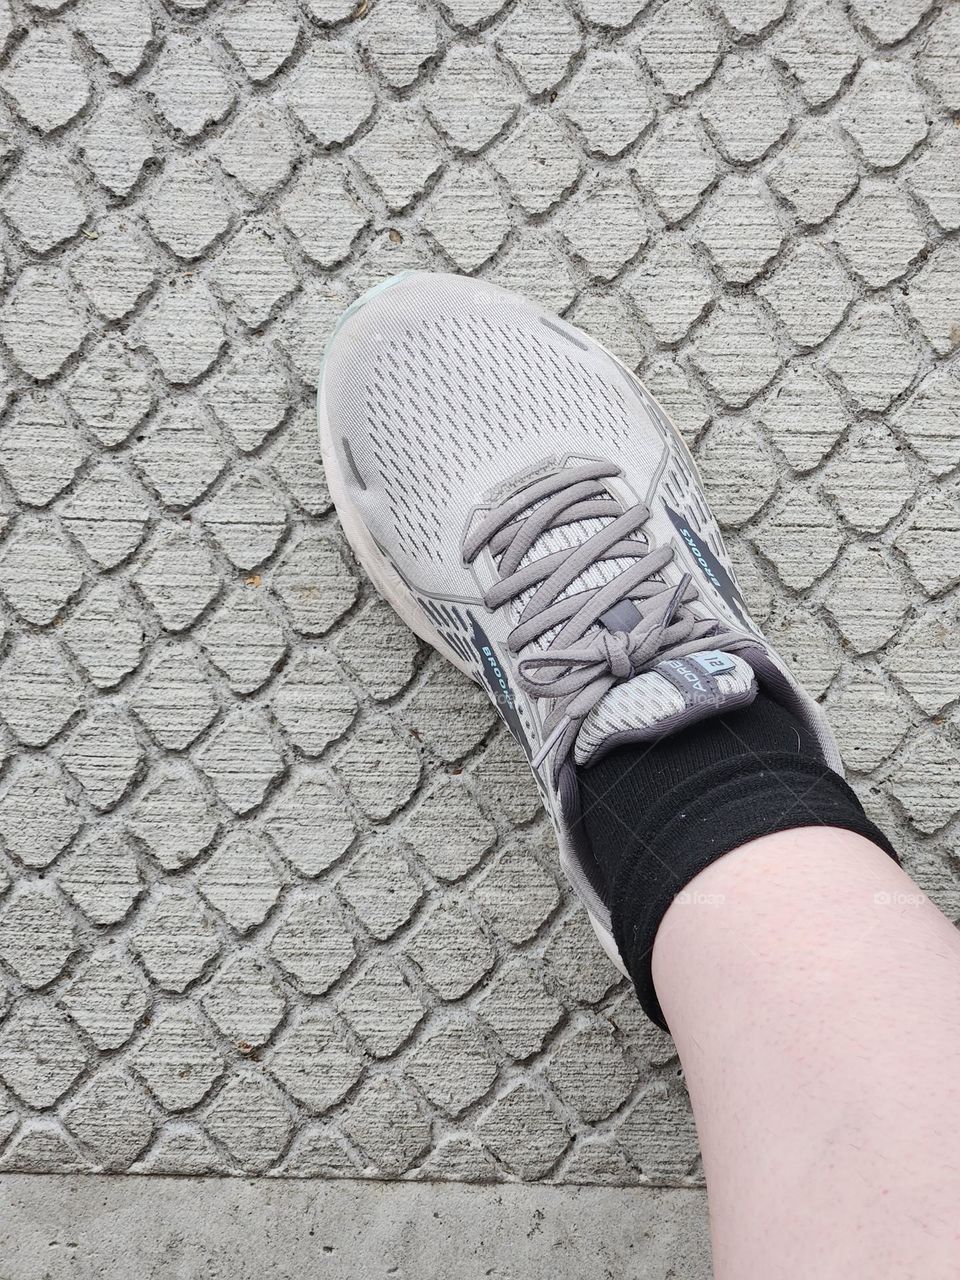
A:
x: 352, y: 310
x: 354, y: 307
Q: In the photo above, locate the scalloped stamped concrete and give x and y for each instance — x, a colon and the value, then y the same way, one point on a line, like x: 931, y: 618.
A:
x: 276, y: 897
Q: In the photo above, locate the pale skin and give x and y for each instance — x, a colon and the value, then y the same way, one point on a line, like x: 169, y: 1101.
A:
x: 814, y: 996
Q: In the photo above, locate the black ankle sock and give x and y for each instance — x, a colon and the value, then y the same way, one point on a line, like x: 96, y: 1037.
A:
x: 623, y: 785
x: 656, y: 814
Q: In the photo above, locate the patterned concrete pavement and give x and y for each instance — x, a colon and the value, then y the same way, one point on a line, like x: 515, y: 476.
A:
x: 275, y: 894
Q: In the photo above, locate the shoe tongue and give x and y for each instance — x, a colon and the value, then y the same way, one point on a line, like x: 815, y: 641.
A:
x: 667, y: 697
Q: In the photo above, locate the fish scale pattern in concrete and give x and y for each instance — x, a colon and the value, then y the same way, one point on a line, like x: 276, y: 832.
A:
x: 275, y: 892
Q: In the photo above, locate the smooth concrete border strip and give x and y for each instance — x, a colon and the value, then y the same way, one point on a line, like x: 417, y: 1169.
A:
x: 121, y: 1228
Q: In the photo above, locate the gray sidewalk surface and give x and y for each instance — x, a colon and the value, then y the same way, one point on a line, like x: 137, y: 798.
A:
x: 276, y: 896
x: 114, y: 1228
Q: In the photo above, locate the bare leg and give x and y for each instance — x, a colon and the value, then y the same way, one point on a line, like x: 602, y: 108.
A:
x: 814, y: 995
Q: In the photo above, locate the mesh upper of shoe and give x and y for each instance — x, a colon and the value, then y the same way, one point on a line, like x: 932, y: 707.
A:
x: 444, y: 388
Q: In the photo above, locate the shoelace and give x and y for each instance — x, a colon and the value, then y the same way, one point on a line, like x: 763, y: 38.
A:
x: 581, y: 662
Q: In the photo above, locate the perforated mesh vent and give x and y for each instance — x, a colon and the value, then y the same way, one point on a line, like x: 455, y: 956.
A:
x: 681, y: 489
x: 475, y: 393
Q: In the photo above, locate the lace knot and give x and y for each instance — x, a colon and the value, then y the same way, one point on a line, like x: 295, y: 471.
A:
x: 579, y: 659
x: 616, y: 652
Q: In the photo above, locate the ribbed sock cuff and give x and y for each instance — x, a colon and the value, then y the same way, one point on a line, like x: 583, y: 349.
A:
x: 706, y: 816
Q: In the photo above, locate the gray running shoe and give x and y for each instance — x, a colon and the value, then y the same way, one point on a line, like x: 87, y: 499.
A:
x: 528, y: 509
